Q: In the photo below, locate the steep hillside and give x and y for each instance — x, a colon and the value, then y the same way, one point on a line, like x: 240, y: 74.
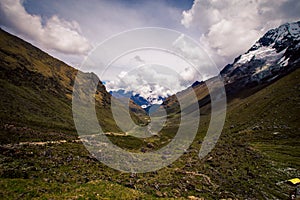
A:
x: 36, y: 92
x: 266, y: 126
x: 259, y: 146
x: 257, y: 151
x: 273, y: 56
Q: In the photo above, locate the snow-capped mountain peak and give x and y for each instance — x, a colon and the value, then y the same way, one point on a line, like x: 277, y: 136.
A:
x: 144, y: 102
x: 280, y: 37
x: 275, y: 52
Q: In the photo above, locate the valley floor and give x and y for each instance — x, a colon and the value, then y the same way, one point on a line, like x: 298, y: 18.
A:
x: 258, y: 150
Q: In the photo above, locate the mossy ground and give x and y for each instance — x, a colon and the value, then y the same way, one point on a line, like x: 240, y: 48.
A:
x: 258, y: 148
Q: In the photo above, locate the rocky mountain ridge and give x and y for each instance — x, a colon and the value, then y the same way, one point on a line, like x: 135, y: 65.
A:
x: 273, y: 55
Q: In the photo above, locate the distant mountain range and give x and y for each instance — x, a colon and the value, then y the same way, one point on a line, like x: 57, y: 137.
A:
x: 273, y: 56
x: 42, y: 156
x: 145, y: 103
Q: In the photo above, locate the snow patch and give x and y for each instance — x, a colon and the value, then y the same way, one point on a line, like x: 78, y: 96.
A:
x: 264, y: 52
x: 155, y: 101
x: 261, y: 69
x: 245, y: 58
x: 283, y: 61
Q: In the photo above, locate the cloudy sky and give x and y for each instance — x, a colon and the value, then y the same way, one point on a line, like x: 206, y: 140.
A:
x: 70, y: 29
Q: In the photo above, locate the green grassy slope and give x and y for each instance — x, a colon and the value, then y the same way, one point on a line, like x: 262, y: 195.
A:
x: 36, y: 90
x: 259, y: 145
x: 258, y: 148
x: 267, y: 125
x: 247, y: 162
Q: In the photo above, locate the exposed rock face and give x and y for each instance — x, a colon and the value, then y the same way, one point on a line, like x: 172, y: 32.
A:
x: 275, y: 54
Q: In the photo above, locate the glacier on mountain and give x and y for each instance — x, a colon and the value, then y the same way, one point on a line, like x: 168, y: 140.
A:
x: 275, y: 52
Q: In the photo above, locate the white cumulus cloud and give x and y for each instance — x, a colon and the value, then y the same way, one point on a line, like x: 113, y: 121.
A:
x: 150, y: 81
x: 54, y: 33
x: 228, y: 28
